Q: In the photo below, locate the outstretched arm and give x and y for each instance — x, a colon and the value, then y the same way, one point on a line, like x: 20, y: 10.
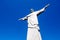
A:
x: 25, y: 18
x: 42, y: 10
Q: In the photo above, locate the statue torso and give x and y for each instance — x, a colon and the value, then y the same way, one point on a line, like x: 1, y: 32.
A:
x: 32, y: 20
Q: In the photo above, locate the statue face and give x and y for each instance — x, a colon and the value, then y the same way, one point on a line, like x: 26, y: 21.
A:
x: 32, y: 10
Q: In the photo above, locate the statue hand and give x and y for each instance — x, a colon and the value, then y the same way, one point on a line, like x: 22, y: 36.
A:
x: 21, y: 19
x: 46, y: 5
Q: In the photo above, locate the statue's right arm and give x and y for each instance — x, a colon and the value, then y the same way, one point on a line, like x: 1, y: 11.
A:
x: 24, y: 18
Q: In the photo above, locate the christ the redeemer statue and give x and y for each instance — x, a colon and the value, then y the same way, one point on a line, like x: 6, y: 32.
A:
x: 33, y: 32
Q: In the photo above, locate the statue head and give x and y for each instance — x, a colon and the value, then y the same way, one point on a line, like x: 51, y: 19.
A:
x: 31, y: 10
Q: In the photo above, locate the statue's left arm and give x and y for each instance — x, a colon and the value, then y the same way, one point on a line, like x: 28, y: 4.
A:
x: 42, y: 10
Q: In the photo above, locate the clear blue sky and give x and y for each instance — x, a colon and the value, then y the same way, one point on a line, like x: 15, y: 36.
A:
x: 12, y: 10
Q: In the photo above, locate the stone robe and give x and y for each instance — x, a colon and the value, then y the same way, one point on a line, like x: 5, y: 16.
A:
x: 33, y: 32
